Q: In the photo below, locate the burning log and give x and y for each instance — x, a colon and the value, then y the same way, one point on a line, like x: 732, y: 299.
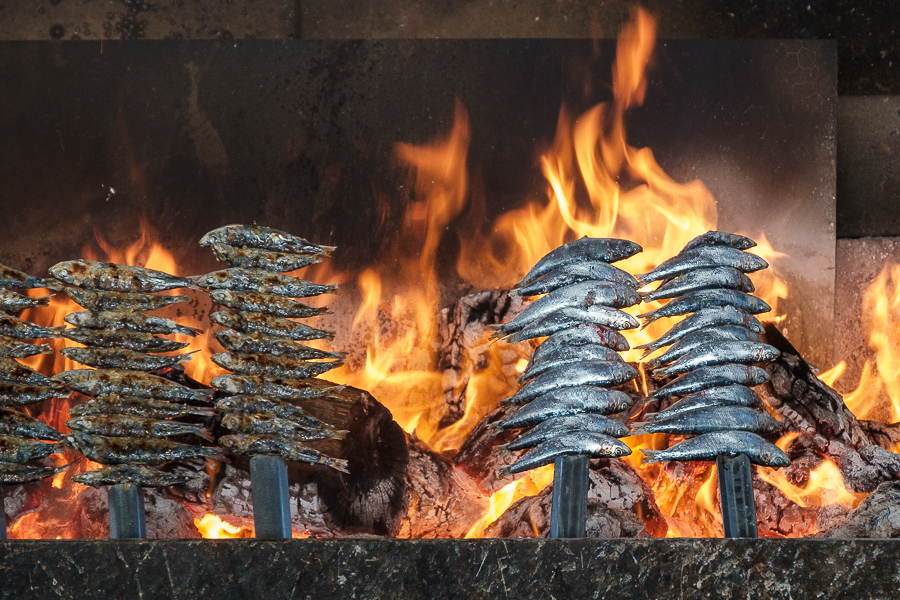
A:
x: 828, y: 428
x: 370, y: 499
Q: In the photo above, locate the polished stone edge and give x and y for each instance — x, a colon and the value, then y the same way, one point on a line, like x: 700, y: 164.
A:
x: 380, y: 568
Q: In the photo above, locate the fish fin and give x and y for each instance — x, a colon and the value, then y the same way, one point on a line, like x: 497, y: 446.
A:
x: 339, y: 434
x: 206, y: 435
x: 503, y: 473
x: 502, y: 448
x: 650, y: 457
x: 641, y: 279
x: 648, y: 319
x: 51, y: 284
x: 332, y: 288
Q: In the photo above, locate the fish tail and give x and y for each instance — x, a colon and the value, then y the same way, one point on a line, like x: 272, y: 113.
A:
x: 206, y: 435
x: 514, y: 293
x: 187, y: 357
x: 329, y: 335
x: 338, y: 463
x: 51, y: 284
x: 43, y: 300
x: 642, y: 279
x: 521, y: 379
x: 339, y: 434
x: 191, y: 331
x: 327, y: 250
x: 650, y: 457
x: 503, y: 473
x: 638, y: 429
x: 648, y: 318
x: 503, y: 448
x: 650, y: 416
x: 332, y: 288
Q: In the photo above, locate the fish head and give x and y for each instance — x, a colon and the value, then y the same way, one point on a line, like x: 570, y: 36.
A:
x: 211, y: 279
x: 752, y: 262
x: 213, y: 237
x: 82, y: 441
x: 619, y: 449
x: 228, y: 404
x: 774, y: 458
x: 66, y: 377
x: 70, y: 271
x: 752, y: 323
x: 219, y: 295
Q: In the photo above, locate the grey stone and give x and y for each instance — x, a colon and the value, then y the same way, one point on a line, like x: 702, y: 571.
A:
x: 438, y: 569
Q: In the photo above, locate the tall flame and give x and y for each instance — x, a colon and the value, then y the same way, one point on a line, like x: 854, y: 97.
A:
x: 877, y: 396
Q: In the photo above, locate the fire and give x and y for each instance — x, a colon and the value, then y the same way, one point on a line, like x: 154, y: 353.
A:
x: 60, y: 502
x: 533, y: 483
x: 213, y: 527
x: 877, y: 396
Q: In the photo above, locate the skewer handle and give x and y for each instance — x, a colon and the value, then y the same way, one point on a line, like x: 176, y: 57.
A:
x: 736, y: 496
x: 568, y: 512
x: 126, y: 512
x: 271, y: 502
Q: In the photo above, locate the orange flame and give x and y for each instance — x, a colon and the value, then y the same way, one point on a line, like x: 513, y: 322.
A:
x: 212, y: 527
x: 877, y: 397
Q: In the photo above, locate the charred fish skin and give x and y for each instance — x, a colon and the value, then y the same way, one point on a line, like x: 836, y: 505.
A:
x: 110, y: 277
x: 102, y: 301
x: 269, y: 325
x: 257, y: 343
x: 272, y: 425
x: 11, y: 278
x: 95, y: 383
x: 272, y: 366
x: 129, y: 340
x: 13, y: 348
x: 11, y: 301
x: 705, y: 257
x: 120, y: 358
x: 715, y: 376
x: 15, y: 372
x: 264, y: 238
x: 730, y: 443
x: 151, y: 409
x: 729, y: 395
x: 12, y: 473
x: 131, y: 320
x: 567, y: 355
x: 277, y: 446
x: 269, y: 304
x: 603, y: 249
x: 692, y: 341
x: 579, y: 335
x: 713, y: 316
x: 584, y: 373
x: 578, y: 296
x: 129, y: 450
x: 720, y: 238
x: 584, y: 444
x: 20, y: 450
x: 136, y: 427
x: 15, y: 423
x: 567, y: 317
x: 13, y: 327
x: 568, y: 401
x: 709, y: 419
x: 694, y: 301
x: 592, y: 270
x: 131, y: 474
x: 13, y: 394
x: 701, y: 279
x: 293, y: 389
x: 262, y: 405
x: 556, y: 426
x: 264, y: 282
x: 257, y: 258
x: 717, y: 353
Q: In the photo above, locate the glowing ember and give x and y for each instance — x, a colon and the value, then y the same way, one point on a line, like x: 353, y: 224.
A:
x: 214, y: 528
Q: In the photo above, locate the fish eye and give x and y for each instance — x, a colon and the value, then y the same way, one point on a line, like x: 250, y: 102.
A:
x: 63, y: 272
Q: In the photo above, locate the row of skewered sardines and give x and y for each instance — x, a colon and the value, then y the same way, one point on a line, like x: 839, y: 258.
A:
x: 567, y: 387
x: 24, y: 440
x: 132, y: 412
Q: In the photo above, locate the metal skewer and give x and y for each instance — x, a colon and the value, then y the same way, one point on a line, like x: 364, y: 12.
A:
x: 568, y: 511
x: 271, y: 502
x: 736, y: 496
x: 126, y: 512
